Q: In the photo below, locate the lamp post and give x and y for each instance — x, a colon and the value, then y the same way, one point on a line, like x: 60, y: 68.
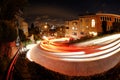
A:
x: 45, y: 26
x: 18, y: 37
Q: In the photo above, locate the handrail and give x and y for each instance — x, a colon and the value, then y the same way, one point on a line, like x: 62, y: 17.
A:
x: 11, y: 66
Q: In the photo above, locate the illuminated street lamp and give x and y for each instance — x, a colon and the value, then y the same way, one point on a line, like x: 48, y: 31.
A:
x: 45, y: 26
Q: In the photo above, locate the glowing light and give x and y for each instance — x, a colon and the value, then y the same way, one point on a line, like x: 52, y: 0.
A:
x: 60, y: 40
x: 77, y: 57
x: 110, y: 45
x: 93, y: 22
x: 44, y: 37
x: 80, y: 51
x: 28, y: 56
x: 45, y: 26
x: 73, y: 28
x: 93, y: 33
x: 107, y: 38
x: 30, y: 46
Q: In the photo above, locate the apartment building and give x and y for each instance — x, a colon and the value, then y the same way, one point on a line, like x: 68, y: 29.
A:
x: 91, y: 24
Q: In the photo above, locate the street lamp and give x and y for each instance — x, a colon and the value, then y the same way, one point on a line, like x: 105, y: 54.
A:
x: 18, y: 37
x: 45, y: 26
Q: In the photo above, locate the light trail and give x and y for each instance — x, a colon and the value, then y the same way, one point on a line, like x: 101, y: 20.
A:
x: 77, y: 58
x: 93, y: 50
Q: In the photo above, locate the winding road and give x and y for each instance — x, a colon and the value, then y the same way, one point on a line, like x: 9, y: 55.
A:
x: 80, y: 59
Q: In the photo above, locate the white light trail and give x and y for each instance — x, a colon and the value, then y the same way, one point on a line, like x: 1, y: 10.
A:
x: 109, y: 45
x: 82, y: 59
x: 91, y: 58
x: 28, y: 56
x: 103, y: 52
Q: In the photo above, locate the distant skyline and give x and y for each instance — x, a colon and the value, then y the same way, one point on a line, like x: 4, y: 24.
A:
x: 68, y: 8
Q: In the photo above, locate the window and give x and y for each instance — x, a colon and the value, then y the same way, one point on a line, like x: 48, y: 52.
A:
x: 76, y: 28
x: 93, y: 23
x: 80, y: 20
x: 87, y: 20
x: 73, y: 28
x: 110, y: 18
x: 86, y: 26
x: 67, y: 27
x: 74, y: 23
x: 101, y: 18
x: 74, y: 33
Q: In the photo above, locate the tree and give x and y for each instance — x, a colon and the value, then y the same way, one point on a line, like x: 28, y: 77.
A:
x: 10, y: 8
x: 22, y: 35
x: 8, y: 32
x: 33, y: 30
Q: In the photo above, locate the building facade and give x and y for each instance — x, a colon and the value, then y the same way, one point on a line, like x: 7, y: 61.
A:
x: 91, y: 24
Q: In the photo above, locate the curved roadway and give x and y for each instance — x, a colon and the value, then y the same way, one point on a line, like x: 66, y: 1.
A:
x: 81, y: 59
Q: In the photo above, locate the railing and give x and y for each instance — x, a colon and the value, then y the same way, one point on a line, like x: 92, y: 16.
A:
x: 11, y: 67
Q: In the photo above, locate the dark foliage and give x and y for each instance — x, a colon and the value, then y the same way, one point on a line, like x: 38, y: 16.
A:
x: 10, y: 8
x: 22, y: 35
x: 33, y: 30
x: 7, y: 32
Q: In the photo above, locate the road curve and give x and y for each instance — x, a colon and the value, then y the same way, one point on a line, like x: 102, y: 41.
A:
x: 82, y: 59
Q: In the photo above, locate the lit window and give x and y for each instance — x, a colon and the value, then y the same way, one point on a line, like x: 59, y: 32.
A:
x: 73, y: 28
x: 93, y: 33
x: 86, y: 26
x: 45, y: 26
x: 76, y: 28
x: 93, y: 22
x: 74, y: 23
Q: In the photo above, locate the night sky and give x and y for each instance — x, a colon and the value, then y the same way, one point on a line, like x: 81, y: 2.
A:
x: 67, y: 8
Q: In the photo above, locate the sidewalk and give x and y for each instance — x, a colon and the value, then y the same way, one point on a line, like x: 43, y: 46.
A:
x: 21, y: 67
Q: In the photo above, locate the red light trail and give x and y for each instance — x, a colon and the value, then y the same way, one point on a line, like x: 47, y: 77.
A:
x: 81, y: 59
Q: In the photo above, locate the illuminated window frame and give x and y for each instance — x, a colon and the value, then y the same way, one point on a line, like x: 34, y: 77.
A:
x: 93, y: 23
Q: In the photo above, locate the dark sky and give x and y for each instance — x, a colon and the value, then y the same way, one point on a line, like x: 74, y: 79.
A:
x: 67, y: 8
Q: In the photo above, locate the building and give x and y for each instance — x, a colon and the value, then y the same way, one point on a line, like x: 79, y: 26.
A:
x: 60, y: 31
x: 72, y: 28
x: 91, y: 24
